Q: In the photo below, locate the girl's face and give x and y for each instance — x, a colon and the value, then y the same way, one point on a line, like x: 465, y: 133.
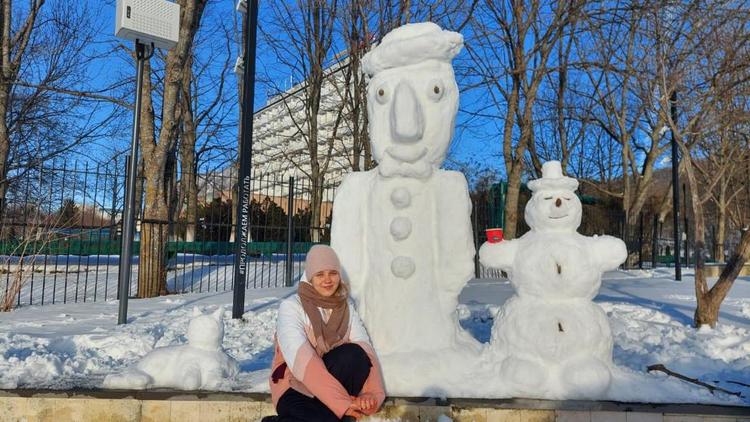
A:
x: 326, y: 282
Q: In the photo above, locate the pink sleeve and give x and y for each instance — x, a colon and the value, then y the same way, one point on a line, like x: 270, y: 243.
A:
x: 374, y: 383
x: 325, y: 387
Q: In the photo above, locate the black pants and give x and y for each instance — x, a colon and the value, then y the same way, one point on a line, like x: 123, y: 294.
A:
x: 347, y: 363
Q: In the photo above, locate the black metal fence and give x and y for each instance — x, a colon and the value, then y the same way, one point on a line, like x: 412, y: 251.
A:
x: 60, y: 232
x: 649, y: 242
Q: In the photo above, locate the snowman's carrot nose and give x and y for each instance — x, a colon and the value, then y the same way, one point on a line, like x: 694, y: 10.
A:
x: 558, y: 202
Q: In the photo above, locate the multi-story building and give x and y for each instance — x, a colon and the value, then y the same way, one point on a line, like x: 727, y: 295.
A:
x: 280, y: 130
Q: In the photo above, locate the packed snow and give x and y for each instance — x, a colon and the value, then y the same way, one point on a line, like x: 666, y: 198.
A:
x: 403, y: 229
x: 200, y: 364
x: 554, y: 342
x: 77, y: 345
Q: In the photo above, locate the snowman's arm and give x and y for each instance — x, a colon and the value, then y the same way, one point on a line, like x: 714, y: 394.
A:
x: 347, y: 231
x: 499, y: 255
x: 455, y: 237
x: 609, y: 252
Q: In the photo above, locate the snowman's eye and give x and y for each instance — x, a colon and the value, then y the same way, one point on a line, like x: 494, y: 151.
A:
x: 547, y: 198
x: 435, y: 90
x: 567, y: 199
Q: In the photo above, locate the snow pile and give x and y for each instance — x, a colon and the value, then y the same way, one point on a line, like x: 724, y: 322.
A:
x: 199, y: 364
x: 77, y: 345
x: 550, y: 340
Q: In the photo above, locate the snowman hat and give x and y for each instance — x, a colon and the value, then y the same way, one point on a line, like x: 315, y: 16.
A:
x: 552, y: 178
x: 410, y: 44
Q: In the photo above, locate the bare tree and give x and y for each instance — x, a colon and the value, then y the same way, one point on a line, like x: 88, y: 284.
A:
x: 357, y: 37
x: 704, y: 55
x: 47, y: 108
x: 511, y: 50
x: 159, y: 152
x: 301, y: 36
x: 205, y: 112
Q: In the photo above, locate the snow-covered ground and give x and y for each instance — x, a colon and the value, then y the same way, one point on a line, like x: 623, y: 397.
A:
x: 77, y: 345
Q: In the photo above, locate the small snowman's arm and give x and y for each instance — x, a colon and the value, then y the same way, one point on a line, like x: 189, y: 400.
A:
x: 499, y: 255
x: 608, y: 252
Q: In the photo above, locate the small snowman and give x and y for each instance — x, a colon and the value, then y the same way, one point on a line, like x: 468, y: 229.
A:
x: 201, y: 364
x: 550, y: 339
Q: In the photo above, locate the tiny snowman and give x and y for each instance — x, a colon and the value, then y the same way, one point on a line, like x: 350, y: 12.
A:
x: 201, y: 364
x: 550, y: 339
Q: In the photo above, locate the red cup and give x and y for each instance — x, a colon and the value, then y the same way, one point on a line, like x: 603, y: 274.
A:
x: 494, y: 235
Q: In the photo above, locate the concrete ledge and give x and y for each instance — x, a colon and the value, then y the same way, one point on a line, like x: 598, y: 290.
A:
x: 179, y: 406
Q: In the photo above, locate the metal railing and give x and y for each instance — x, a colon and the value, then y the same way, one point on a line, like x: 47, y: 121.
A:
x: 60, y: 228
x: 60, y: 231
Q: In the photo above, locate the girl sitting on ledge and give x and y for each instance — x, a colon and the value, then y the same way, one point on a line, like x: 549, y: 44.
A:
x: 324, y: 368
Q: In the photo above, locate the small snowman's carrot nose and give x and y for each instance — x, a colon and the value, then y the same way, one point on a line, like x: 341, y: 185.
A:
x: 558, y: 202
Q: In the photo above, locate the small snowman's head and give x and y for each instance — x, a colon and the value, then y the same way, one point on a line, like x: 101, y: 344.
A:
x: 206, y: 332
x: 554, y: 206
x: 412, y: 98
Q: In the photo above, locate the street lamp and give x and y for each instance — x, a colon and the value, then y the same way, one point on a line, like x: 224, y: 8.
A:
x: 150, y: 24
x: 245, y: 154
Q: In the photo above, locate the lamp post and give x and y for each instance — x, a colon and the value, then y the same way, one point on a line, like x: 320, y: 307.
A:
x: 245, y: 155
x: 128, y: 217
x: 135, y: 21
x: 675, y: 191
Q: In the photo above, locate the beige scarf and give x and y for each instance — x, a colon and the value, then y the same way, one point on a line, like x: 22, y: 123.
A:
x: 333, y: 333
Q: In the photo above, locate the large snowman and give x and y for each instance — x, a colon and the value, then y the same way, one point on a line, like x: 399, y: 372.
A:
x: 550, y: 340
x: 403, y: 229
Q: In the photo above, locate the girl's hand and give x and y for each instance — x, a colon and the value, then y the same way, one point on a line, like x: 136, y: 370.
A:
x: 354, y: 412
x: 365, y: 402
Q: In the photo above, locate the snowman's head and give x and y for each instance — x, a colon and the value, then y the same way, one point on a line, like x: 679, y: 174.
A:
x: 554, y: 206
x: 206, y: 331
x: 412, y: 97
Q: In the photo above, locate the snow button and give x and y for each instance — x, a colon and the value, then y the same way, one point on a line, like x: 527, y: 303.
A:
x: 400, y: 198
x: 400, y: 228
x: 402, y: 266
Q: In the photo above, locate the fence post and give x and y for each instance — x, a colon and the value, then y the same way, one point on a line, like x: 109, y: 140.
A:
x: 687, y: 243
x: 640, y: 242
x: 289, y: 232
x: 654, y: 242
x: 687, y: 232
x: 476, y: 241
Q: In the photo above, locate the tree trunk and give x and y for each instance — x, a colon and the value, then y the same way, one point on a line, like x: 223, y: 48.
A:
x: 316, y: 200
x: 190, y: 185
x: 152, y: 274
x: 709, y: 303
x: 722, y: 223
x: 14, y: 48
x: 4, y: 151
x: 158, y: 173
x: 511, y: 203
x: 189, y: 179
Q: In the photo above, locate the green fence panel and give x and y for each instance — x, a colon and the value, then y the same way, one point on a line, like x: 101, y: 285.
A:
x: 112, y: 247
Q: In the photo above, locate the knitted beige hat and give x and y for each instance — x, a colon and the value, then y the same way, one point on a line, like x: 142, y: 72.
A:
x: 319, y: 258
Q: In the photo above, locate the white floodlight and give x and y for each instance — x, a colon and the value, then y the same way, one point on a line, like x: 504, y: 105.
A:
x: 239, y: 66
x: 148, y: 21
x: 241, y: 6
